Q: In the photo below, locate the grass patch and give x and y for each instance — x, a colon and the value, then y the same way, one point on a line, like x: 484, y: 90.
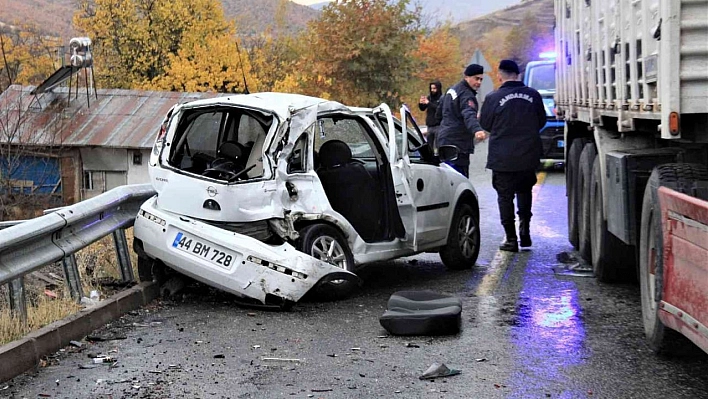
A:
x: 45, y: 311
x: 97, y: 264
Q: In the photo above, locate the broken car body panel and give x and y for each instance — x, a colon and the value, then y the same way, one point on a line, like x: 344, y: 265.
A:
x: 230, y: 261
x: 239, y: 177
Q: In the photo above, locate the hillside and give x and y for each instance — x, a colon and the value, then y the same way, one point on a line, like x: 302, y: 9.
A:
x: 506, y: 18
x: 54, y: 16
x: 450, y: 10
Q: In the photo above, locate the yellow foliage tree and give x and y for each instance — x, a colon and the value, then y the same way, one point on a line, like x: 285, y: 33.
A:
x: 135, y: 41
x: 273, y: 55
x: 213, y: 64
x: 357, y: 51
x: 438, y: 58
x: 28, y: 57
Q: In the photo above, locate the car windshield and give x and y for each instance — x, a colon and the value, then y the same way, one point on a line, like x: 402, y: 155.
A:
x: 542, y: 77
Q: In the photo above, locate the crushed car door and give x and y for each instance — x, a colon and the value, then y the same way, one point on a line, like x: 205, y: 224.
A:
x: 401, y: 188
x: 429, y: 187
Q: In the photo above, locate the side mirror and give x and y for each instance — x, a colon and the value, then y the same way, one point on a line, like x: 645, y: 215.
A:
x: 448, y: 153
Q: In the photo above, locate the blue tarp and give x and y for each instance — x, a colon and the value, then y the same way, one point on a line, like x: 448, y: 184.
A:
x: 30, y: 175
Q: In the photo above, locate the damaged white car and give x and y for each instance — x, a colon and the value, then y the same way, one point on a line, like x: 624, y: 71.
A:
x: 271, y: 195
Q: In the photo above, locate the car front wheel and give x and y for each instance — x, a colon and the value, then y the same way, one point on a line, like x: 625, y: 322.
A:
x: 463, y: 240
x: 325, y: 243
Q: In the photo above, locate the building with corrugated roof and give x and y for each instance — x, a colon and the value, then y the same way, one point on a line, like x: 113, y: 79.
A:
x: 75, y: 144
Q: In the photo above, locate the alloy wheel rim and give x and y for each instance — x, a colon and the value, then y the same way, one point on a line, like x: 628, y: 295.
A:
x: 327, y: 249
x: 466, y: 231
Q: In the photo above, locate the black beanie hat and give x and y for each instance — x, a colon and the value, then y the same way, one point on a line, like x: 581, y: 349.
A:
x: 509, y: 66
x: 474, y: 69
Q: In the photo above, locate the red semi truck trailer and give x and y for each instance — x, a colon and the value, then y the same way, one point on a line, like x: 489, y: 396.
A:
x: 632, y: 88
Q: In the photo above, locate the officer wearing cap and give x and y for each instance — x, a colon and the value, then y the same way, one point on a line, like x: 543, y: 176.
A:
x: 459, y: 125
x: 513, y: 115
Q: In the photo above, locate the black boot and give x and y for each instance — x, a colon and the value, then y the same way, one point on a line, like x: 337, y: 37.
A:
x: 524, y: 233
x: 510, y: 244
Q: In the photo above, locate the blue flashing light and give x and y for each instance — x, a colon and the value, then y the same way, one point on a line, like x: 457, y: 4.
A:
x: 547, y: 55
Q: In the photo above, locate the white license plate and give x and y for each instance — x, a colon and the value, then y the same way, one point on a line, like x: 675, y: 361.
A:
x: 561, y: 143
x: 210, y: 252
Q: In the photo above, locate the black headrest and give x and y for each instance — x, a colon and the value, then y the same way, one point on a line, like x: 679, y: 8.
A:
x: 334, y: 153
x: 230, y: 149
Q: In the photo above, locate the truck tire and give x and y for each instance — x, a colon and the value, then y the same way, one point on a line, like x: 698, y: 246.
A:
x: 612, y: 260
x: 587, y: 157
x: 680, y: 177
x: 571, y: 180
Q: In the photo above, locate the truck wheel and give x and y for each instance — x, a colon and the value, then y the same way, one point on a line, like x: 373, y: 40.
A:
x: 680, y: 177
x: 612, y: 260
x: 571, y: 177
x: 462, y: 247
x: 587, y: 157
x: 324, y: 242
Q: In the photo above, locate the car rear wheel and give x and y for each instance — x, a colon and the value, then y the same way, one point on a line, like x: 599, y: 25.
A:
x: 325, y: 243
x: 463, y: 240
x: 151, y: 270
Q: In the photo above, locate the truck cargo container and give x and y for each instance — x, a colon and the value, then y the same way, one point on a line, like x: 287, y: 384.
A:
x: 632, y: 87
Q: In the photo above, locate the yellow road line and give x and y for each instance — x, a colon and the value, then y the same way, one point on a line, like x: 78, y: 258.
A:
x: 497, y: 268
x: 502, y: 259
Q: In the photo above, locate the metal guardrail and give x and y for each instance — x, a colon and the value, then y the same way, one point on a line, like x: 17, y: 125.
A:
x: 29, y: 245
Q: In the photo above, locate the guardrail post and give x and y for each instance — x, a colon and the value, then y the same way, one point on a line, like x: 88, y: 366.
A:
x: 126, y: 269
x: 18, y: 303
x: 73, y: 279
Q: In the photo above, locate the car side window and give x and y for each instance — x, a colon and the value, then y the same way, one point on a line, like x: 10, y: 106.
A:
x: 297, y: 161
x: 349, y: 130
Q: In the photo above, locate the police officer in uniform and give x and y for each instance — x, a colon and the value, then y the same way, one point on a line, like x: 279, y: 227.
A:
x: 459, y: 125
x: 513, y: 115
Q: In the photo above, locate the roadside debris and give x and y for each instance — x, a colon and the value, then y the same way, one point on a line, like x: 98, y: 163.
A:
x: 572, y: 265
x: 280, y: 359
x: 104, y: 359
x: 102, y: 338
x: 438, y: 370
x: 422, y: 313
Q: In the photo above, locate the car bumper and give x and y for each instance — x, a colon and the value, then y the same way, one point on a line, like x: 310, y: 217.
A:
x: 230, y: 261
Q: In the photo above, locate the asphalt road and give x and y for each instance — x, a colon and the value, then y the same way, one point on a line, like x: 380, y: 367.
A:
x: 527, y: 332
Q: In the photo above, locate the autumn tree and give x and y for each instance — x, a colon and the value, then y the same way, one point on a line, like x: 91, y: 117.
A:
x: 155, y: 44
x: 437, y: 56
x: 358, y: 51
x: 27, y: 56
x: 274, y: 54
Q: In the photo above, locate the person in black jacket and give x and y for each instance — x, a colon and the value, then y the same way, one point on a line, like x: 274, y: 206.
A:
x: 513, y: 115
x: 429, y: 104
x: 459, y: 125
